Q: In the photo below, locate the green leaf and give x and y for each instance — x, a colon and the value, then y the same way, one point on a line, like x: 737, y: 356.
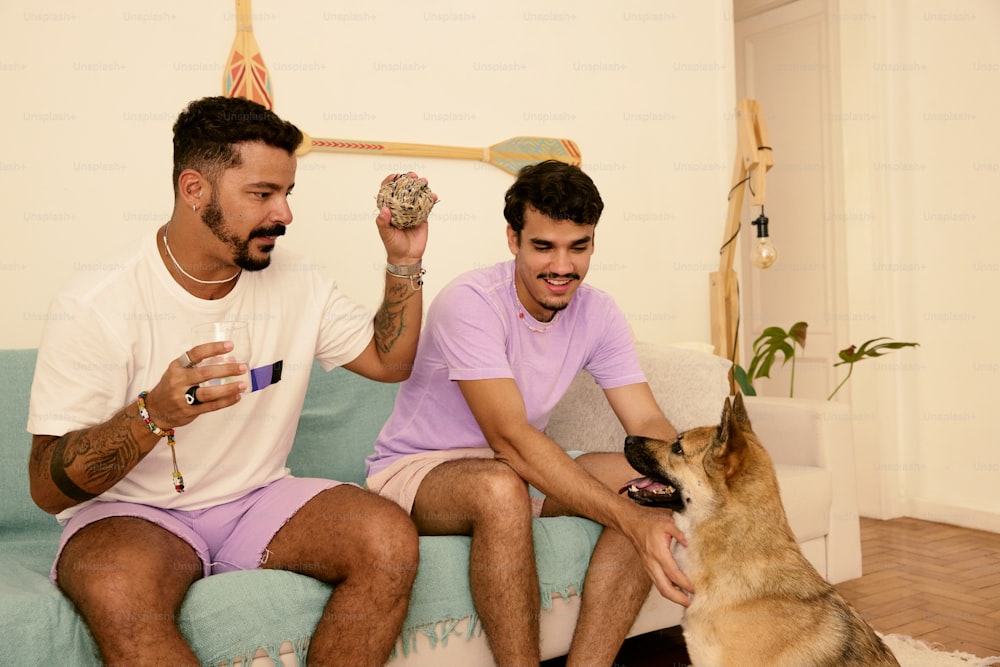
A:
x: 798, y: 332
x: 786, y: 350
x: 870, y: 349
x: 772, y: 342
x: 743, y: 381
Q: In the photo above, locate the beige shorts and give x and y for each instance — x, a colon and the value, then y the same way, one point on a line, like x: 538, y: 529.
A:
x: 400, y: 481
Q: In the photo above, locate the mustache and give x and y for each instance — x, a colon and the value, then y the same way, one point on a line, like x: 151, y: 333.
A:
x: 556, y: 276
x: 276, y: 230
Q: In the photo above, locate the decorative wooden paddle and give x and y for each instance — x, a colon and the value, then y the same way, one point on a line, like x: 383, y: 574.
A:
x: 509, y: 155
x: 246, y: 74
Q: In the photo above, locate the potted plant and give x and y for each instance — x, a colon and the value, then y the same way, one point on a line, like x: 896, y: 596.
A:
x: 775, y: 340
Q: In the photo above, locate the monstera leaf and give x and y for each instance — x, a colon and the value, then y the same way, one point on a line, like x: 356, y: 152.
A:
x: 868, y: 350
x: 771, y: 342
x: 775, y: 341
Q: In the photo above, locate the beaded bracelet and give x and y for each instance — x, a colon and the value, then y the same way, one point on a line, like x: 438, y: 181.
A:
x: 159, y: 432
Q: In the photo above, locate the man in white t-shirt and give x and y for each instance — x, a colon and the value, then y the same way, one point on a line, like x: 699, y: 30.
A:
x: 162, y: 470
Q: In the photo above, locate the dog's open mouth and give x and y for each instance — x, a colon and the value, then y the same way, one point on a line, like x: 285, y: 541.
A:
x: 647, y: 491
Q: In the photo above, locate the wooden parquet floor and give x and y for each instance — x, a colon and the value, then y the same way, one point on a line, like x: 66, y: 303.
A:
x: 935, y: 582
x: 932, y: 581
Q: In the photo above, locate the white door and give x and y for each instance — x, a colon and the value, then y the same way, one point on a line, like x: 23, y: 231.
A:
x: 784, y: 61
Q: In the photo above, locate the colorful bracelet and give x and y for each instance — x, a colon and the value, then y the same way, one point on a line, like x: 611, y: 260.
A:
x: 159, y: 432
x: 144, y: 414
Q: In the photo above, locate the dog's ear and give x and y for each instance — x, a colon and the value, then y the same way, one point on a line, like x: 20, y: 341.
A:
x: 722, y: 433
x: 730, y: 445
x: 740, y: 413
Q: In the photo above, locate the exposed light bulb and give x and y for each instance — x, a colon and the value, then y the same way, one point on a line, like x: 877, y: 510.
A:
x: 763, y: 254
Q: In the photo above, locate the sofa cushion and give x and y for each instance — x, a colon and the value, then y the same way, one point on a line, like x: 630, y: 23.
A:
x: 341, y: 417
x: 20, y: 514
x: 229, y: 616
x: 689, y: 385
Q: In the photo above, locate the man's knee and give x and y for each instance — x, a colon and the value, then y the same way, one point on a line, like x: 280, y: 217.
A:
x: 388, y: 549
x: 386, y: 542
x: 500, y: 489
x: 610, y: 468
x: 461, y: 497
x: 392, y: 531
x: 124, y: 554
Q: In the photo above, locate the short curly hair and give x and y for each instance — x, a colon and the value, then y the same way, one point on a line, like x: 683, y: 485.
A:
x: 207, y: 131
x: 556, y: 189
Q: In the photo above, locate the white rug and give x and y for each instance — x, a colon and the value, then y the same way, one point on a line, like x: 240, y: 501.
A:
x: 911, y: 652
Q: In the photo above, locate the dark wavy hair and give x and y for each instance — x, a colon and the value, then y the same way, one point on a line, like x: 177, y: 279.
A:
x: 207, y: 131
x: 556, y: 189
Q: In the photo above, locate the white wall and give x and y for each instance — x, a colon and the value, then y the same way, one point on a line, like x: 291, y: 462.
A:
x: 919, y: 106
x: 913, y: 92
x: 942, y: 252
x: 644, y: 88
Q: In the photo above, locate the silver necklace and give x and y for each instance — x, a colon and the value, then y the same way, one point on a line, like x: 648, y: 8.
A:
x: 188, y: 275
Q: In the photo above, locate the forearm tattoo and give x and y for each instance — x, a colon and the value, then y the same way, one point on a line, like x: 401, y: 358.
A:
x: 389, y: 320
x: 107, y: 452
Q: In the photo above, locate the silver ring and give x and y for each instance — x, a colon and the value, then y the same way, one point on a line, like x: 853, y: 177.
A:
x: 190, y: 396
x: 185, y: 361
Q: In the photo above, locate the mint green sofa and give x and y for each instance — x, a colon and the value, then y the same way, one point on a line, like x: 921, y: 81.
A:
x: 266, y: 617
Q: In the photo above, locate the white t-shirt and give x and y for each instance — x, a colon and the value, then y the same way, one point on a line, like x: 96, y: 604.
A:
x: 112, y: 334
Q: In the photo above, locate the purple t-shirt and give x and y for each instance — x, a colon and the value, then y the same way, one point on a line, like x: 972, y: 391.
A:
x: 476, y: 329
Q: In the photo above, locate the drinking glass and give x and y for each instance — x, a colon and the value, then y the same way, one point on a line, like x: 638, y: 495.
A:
x: 239, y: 334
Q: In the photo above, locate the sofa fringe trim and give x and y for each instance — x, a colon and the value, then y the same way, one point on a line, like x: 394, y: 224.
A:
x: 245, y: 657
x: 439, y: 632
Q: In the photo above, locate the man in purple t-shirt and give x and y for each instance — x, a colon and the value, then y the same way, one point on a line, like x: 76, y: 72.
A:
x: 500, y: 347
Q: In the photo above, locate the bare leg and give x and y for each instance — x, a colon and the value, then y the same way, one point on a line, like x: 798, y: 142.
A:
x: 614, y: 589
x: 368, y: 547
x: 489, y: 501
x: 128, y: 577
x: 616, y: 584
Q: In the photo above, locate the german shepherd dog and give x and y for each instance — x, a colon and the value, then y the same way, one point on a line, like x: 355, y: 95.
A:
x: 757, y: 600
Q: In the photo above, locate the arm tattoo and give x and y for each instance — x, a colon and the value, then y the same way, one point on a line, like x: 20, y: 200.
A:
x: 389, y: 324
x: 107, y: 452
x: 57, y: 468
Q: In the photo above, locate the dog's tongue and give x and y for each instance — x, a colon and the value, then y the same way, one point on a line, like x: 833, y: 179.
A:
x: 645, y: 484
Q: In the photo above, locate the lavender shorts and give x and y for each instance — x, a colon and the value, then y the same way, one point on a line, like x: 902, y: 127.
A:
x: 227, y: 537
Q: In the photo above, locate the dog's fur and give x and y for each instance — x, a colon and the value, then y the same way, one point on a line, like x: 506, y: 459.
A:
x: 757, y: 600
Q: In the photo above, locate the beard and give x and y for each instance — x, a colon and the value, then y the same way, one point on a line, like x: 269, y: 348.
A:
x: 554, y: 304
x: 554, y: 307
x: 215, y: 221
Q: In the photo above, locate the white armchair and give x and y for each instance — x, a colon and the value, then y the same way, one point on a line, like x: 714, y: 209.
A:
x: 806, y: 437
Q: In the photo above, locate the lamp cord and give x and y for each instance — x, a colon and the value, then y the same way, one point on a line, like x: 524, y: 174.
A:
x: 739, y: 225
x: 736, y: 333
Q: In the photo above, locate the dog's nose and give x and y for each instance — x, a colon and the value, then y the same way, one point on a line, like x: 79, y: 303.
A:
x: 631, y: 440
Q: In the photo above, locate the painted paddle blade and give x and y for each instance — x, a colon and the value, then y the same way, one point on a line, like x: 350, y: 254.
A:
x: 246, y: 74
x: 510, y: 155
x: 518, y: 152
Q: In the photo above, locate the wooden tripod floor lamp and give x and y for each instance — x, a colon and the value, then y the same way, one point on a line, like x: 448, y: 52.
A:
x: 753, y: 160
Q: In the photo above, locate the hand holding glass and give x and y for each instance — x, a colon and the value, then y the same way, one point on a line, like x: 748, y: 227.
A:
x: 236, y: 332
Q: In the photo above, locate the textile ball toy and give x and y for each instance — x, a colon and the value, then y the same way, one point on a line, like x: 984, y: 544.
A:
x: 409, y: 200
